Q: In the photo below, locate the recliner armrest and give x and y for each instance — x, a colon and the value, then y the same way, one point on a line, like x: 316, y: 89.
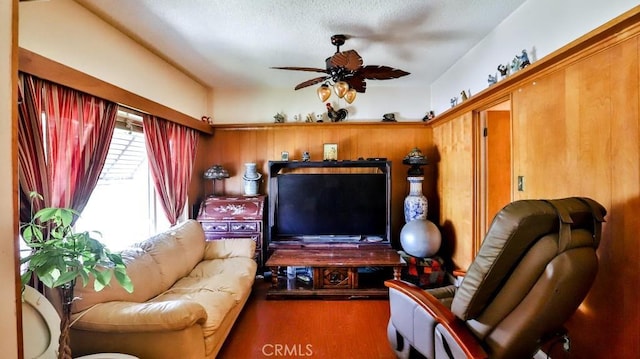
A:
x: 442, y: 315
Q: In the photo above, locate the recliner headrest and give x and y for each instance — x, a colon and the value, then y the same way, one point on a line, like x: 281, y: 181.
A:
x: 513, y: 231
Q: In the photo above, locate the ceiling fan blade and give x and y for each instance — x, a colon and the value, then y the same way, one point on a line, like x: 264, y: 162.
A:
x: 311, y: 82
x: 349, y: 59
x: 357, y: 83
x: 375, y: 72
x: 310, y: 69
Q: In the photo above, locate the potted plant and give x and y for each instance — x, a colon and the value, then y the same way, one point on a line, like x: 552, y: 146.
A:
x: 59, y: 256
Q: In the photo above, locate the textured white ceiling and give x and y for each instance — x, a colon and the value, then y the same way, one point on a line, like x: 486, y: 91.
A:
x: 223, y: 43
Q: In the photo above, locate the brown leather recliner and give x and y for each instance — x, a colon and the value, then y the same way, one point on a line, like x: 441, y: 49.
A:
x: 534, y: 268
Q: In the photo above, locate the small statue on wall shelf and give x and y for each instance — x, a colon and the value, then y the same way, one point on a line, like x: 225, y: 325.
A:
x: 429, y: 116
x: 464, y: 95
x: 523, y: 59
x: 279, y: 117
x: 492, y: 79
x: 515, y: 64
x: 336, y: 115
x: 389, y: 117
x: 454, y: 101
x: 503, y: 70
x: 309, y: 118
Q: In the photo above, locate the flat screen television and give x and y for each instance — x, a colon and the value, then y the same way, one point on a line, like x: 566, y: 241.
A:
x: 330, y: 207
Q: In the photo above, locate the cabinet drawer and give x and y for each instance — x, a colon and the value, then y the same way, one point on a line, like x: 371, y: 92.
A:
x: 215, y: 226
x: 245, y: 226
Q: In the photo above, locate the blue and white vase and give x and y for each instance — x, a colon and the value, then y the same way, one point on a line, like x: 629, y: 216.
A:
x: 415, y: 204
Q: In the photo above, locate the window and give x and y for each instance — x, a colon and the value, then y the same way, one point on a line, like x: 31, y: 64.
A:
x: 124, y: 207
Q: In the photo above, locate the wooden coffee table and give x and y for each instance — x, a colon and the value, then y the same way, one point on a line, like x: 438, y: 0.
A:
x: 335, y: 272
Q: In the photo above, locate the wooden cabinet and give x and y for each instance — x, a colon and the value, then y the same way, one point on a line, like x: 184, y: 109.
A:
x: 234, y: 217
x: 336, y: 273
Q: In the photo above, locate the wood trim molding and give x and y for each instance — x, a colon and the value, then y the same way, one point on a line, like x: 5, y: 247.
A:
x: 15, y: 180
x: 349, y: 124
x: 613, y: 32
x: 47, y: 69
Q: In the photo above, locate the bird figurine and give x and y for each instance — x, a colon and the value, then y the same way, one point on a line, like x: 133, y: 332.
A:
x: 336, y: 116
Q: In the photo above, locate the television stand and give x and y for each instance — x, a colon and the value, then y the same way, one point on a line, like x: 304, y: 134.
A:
x: 335, y: 273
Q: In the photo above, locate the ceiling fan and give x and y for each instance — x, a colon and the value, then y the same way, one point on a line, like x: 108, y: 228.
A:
x: 345, y: 69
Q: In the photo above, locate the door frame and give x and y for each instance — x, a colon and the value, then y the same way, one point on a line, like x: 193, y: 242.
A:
x: 480, y: 213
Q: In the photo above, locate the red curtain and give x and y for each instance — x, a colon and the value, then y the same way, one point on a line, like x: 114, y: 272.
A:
x: 171, y: 150
x: 79, y: 131
x: 71, y: 146
x: 32, y: 165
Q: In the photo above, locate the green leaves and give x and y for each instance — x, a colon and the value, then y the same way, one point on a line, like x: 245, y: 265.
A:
x: 60, y: 256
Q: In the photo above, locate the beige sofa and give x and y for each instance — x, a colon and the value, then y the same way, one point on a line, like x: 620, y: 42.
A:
x: 187, y: 294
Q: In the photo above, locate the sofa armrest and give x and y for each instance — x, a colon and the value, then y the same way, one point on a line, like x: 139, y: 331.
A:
x: 129, y: 317
x: 230, y: 247
x: 441, y: 315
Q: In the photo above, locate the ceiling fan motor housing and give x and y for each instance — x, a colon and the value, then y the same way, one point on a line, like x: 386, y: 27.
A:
x: 337, y: 73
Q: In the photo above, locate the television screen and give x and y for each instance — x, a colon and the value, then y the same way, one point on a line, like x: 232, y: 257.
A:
x: 332, y: 204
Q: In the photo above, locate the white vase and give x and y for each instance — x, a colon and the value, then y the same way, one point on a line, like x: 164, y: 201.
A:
x: 251, y: 179
x: 415, y: 204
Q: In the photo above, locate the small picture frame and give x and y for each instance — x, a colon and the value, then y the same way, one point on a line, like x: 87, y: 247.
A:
x: 284, y: 155
x: 330, y: 152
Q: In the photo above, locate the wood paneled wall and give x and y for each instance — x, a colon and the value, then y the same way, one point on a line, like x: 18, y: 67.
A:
x: 234, y: 145
x: 575, y: 132
x: 453, y: 141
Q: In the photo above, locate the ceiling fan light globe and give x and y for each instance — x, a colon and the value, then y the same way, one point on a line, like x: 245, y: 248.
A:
x: 350, y: 96
x: 324, y: 92
x: 341, y: 88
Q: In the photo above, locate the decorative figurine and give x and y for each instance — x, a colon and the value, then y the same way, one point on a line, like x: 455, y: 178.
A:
x: 524, y: 59
x: 320, y: 117
x: 389, y: 117
x: 492, y: 79
x: 503, y: 70
x: 429, y: 116
x: 279, y: 117
x: 515, y: 65
x: 464, y: 96
x: 305, y: 156
x: 309, y: 117
x: 454, y: 101
x: 336, y: 116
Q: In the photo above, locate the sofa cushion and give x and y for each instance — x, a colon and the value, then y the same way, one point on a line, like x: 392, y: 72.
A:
x: 153, y: 266
x: 145, y: 275
x: 176, y: 251
x: 222, y: 286
x: 234, y: 276
x: 230, y: 247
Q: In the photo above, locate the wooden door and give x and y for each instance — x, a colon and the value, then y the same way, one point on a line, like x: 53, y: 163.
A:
x: 498, y: 162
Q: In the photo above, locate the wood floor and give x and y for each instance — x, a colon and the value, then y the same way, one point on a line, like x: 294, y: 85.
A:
x: 312, y: 328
